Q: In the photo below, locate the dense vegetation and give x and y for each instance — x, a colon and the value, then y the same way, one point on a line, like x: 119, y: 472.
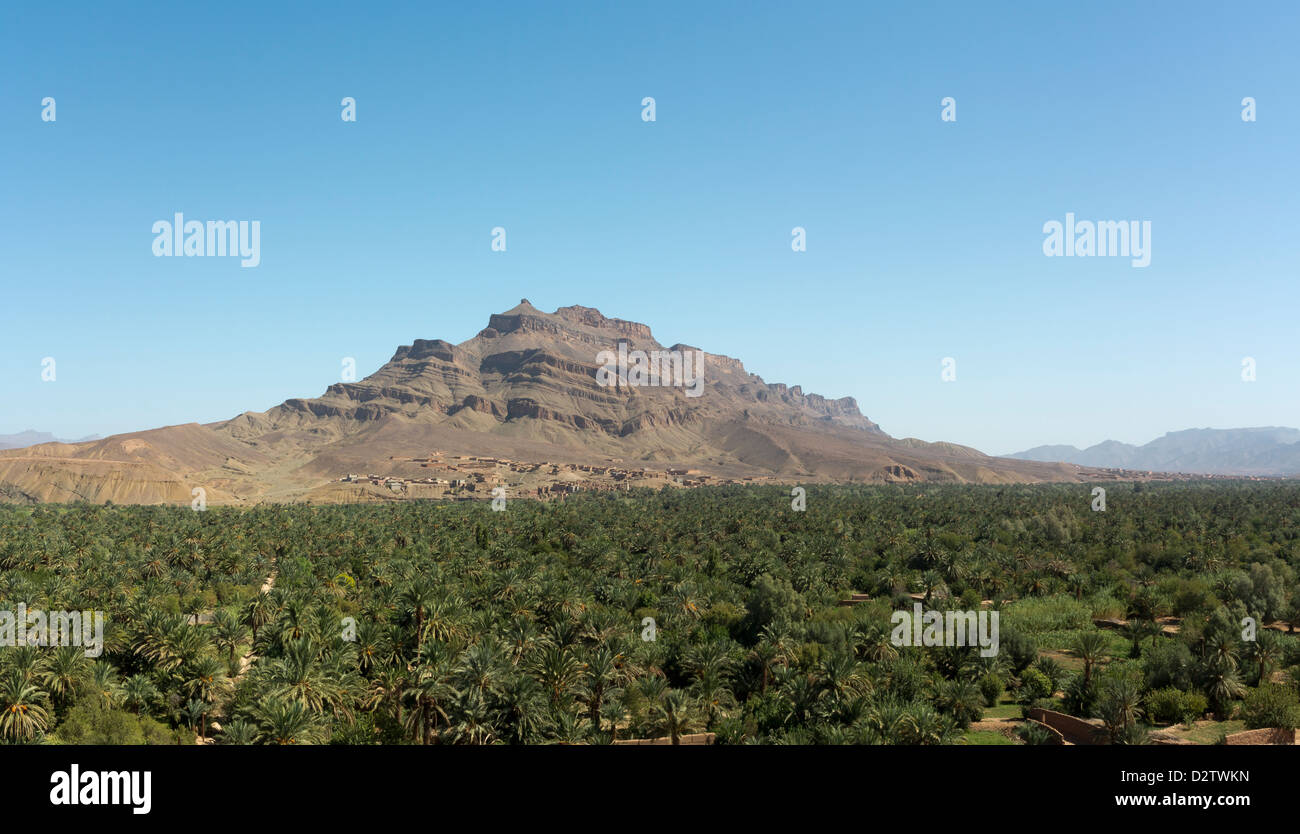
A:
x: 529, y: 625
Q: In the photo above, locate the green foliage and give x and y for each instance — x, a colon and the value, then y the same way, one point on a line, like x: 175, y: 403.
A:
x: 1271, y: 705
x: 1034, y: 733
x: 474, y: 627
x: 1172, y: 706
x: 91, y: 722
x: 1034, y: 685
x: 991, y: 688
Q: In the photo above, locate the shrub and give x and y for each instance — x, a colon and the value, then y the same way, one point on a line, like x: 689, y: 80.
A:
x: 1171, y: 706
x: 1034, y: 685
x: 1037, y: 703
x: 1271, y: 706
x: 1054, y: 671
x: 92, y: 723
x: 991, y: 688
x: 1034, y: 733
x: 1019, y: 649
x: 1080, y: 696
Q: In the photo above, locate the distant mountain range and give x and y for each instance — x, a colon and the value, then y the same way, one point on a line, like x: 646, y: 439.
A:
x: 1268, y: 450
x: 31, y: 437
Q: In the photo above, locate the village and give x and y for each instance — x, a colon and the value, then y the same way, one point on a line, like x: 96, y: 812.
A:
x: 470, y: 477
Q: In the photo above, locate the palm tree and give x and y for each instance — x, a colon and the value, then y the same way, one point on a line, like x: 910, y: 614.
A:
x: 1222, y: 686
x: 286, y: 722
x: 387, y: 689
x: 601, y: 674
x: 228, y: 633
x: 433, y: 691
x: 418, y: 596
x: 206, y: 681
x: 558, y: 671
x: 1090, y: 647
x: 886, y: 722
x: 1119, y: 706
x: 523, y: 709
x: 138, y: 692
x: 259, y: 611
x: 675, y: 715
x: 925, y: 726
x: 300, y: 676
x: 614, y: 712
x: 841, y: 676
x: 23, y: 716
x: 103, y: 683
x: 25, y: 659
x: 1267, y: 651
x: 65, y: 673
x: 872, y: 642
x: 962, y: 700
x: 714, y: 695
x: 238, y: 731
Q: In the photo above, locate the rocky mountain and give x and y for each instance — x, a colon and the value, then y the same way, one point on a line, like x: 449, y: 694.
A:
x: 540, y: 392
x: 1254, y: 451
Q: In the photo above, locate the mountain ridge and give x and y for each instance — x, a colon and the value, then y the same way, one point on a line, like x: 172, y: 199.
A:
x: 32, y: 437
x: 526, y: 393
x: 1256, y: 451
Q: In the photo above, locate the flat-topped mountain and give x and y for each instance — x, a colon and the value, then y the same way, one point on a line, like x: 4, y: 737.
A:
x: 544, y: 394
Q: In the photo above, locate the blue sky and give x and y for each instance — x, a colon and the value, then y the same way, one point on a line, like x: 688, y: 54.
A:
x: 924, y: 237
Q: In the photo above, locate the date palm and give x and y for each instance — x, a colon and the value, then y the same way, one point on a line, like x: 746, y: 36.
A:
x: 841, y: 676
x: 600, y: 676
x: 1222, y: 686
x: 1090, y: 647
x: 287, y: 722
x: 523, y: 710
x: 418, y: 596
x: 239, y: 732
x: 65, y: 673
x: 103, y: 684
x: 1266, y: 651
x: 23, y: 716
x: 27, y: 660
x: 139, y: 693
x: 259, y: 611
x: 558, y: 671
x: 432, y: 693
x: 674, y: 715
x: 299, y: 676
x: 713, y: 695
x: 228, y: 633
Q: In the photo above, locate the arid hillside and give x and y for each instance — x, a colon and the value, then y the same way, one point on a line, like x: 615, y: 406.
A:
x: 537, y: 395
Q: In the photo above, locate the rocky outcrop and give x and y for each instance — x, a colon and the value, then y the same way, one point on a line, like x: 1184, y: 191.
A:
x: 530, y: 381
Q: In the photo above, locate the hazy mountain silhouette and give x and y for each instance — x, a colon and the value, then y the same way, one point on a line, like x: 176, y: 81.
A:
x: 1254, y: 451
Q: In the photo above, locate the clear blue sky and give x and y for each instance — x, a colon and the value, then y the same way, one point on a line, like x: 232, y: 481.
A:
x: 924, y: 237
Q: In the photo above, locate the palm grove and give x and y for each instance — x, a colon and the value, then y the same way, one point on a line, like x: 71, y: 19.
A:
x: 447, y: 623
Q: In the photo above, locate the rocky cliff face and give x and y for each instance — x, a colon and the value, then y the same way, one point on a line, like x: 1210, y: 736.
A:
x: 543, y: 367
x: 527, y: 387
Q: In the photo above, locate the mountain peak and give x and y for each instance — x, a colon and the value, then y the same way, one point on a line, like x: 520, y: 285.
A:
x: 523, y: 404
x: 524, y: 317
x: 524, y: 306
